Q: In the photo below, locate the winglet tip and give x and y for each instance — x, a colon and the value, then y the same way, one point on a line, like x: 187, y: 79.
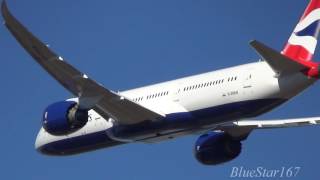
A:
x: 4, y: 5
x: 4, y: 8
x: 253, y: 42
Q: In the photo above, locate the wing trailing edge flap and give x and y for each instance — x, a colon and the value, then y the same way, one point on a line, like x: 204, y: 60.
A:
x: 91, y: 94
x: 280, y: 64
x: 244, y: 127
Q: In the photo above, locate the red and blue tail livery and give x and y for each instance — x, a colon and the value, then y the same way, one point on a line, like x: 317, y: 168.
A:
x: 303, y: 41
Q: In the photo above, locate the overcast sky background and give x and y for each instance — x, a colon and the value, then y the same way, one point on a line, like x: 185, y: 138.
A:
x: 125, y: 44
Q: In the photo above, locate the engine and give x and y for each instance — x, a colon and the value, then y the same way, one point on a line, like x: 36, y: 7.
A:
x: 64, y: 117
x: 216, y: 148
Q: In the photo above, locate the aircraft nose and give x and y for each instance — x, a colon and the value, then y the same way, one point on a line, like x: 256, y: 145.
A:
x: 42, y: 144
x: 39, y: 140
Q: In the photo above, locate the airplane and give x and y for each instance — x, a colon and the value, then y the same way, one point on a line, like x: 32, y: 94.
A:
x: 221, y: 105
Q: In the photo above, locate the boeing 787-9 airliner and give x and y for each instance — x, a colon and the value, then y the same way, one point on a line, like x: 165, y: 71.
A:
x: 220, y: 104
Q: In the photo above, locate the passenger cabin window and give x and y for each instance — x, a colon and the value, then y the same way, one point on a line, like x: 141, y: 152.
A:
x: 156, y: 95
x: 209, y: 84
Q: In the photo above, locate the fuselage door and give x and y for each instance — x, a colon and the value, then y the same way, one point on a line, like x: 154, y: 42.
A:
x: 247, y: 82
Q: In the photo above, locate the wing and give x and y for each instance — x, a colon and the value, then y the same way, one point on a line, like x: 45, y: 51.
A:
x: 91, y: 94
x: 243, y: 128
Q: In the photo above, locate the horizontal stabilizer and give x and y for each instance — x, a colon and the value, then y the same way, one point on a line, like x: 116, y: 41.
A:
x: 281, y: 64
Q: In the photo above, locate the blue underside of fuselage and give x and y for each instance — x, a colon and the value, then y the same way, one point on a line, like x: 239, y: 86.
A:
x: 173, y: 123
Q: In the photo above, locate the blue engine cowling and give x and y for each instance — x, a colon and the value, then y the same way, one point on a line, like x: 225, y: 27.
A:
x: 64, y: 117
x: 216, y: 148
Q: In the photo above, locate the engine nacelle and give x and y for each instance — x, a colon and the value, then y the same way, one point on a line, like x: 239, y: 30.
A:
x: 64, y: 117
x: 216, y: 148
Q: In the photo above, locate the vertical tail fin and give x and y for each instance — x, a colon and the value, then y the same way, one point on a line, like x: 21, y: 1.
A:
x: 303, y: 41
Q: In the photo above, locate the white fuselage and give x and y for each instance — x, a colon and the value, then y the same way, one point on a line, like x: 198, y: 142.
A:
x: 223, y: 95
